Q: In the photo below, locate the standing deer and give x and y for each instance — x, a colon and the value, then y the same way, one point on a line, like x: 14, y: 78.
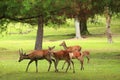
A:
x: 86, y: 54
x: 37, y: 55
x: 62, y: 55
x: 76, y: 55
x: 70, y: 48
x: 75, y: 49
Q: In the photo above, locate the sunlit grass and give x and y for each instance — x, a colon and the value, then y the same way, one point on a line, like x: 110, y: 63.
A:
x: 104, y: 57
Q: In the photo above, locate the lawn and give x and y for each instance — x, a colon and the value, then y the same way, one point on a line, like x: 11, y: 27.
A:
x: 104, y: 59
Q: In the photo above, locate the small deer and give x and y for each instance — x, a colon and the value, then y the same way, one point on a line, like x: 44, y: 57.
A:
x: 74, y: 50
x: 37, y: 55
x: 76, y: 55
x: 86, y: 54
x: 70, y: 48
x: 62, y: 55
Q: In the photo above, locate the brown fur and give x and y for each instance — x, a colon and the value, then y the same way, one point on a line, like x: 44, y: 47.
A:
x: 63, y: 55
x: 71, y: 48
x: 37, y: 55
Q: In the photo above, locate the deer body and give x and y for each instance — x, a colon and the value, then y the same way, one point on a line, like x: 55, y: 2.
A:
x: 86, y: 54
x: 35, y: 56
x: 70, y: 48
x: 62, y: 55
x: 75, y: 53
x: 78, y: 56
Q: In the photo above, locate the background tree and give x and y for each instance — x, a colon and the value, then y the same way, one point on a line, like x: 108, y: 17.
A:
x: 42, y: 12
x: 33, y: 12
x: 85, y: 9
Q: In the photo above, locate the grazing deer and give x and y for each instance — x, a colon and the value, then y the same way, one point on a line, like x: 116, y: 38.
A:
x: 37, y: 55
x: 70, y: 48
x: 62, y: 55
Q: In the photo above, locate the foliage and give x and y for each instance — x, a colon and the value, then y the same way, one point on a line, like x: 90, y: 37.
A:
x: 28, y: 10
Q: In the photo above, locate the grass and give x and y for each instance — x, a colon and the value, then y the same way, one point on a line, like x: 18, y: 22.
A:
x: 104, y: 63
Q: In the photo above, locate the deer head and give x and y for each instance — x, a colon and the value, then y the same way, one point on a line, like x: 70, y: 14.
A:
x: 50, y: 49
x: 63, y: 43
x: 22, y: 55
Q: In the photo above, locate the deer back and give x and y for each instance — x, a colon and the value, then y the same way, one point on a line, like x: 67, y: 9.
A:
x: 74, y: 48
x: 74, y: 55
x: 85, y: 53
x: 62, y: 54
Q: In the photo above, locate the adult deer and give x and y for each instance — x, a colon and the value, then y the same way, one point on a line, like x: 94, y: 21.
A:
x: 74, y: 50
x: 62, y: 55
x: 37, y: 55
x: 70, y: 48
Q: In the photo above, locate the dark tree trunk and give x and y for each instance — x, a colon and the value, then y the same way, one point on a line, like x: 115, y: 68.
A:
x: 83, y: 27
x: 39, y: 37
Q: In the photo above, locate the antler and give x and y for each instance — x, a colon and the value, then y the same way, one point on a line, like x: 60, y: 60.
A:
x: 21, y: 51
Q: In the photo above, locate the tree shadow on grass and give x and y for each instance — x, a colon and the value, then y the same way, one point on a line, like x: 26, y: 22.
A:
x: 107, y: 55
x: 59, y: 37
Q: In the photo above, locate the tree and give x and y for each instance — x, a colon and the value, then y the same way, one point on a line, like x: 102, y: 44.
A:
x: 42, y: 12
x: 33, y: 12
x: 78, y: 34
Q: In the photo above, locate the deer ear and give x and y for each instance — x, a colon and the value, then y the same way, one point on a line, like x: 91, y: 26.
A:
x: 20, y: 52
x: 63, y: 41
x: 25, y: 53
x: 53, y: 47
x: 48, y: 47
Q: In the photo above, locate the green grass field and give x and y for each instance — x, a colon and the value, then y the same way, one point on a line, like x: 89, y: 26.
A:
x: 104, y: 63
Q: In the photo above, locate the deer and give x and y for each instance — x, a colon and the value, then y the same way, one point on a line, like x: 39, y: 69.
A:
x: 86, y: 54
x: 75, y: 49
x: 37, y: 55
x: 62, y: 55
x: 71, y: 48
x: 76, y: 55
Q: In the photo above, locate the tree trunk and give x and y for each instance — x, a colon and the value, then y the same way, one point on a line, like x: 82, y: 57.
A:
x: 108, y: 31
x: 78, y: 34
x: 39, y: 37
x: 108, y: 21
x: 83, y: 27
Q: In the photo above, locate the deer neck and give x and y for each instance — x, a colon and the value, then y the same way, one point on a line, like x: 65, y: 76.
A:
x: 26, y: 57
x: 65, y: 46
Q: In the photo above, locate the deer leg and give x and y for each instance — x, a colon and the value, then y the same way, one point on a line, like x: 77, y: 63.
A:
x: 67, y: 66
x: 73, y: 66
x: 82, y: 68
x: 63, y: 65
x: 28, y: 65
x: 70, y: 66
x: 50, y: 62
x: 87, y: 58
x: 81, y: 61
x: 36, y: 65
x: 56, y: 64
